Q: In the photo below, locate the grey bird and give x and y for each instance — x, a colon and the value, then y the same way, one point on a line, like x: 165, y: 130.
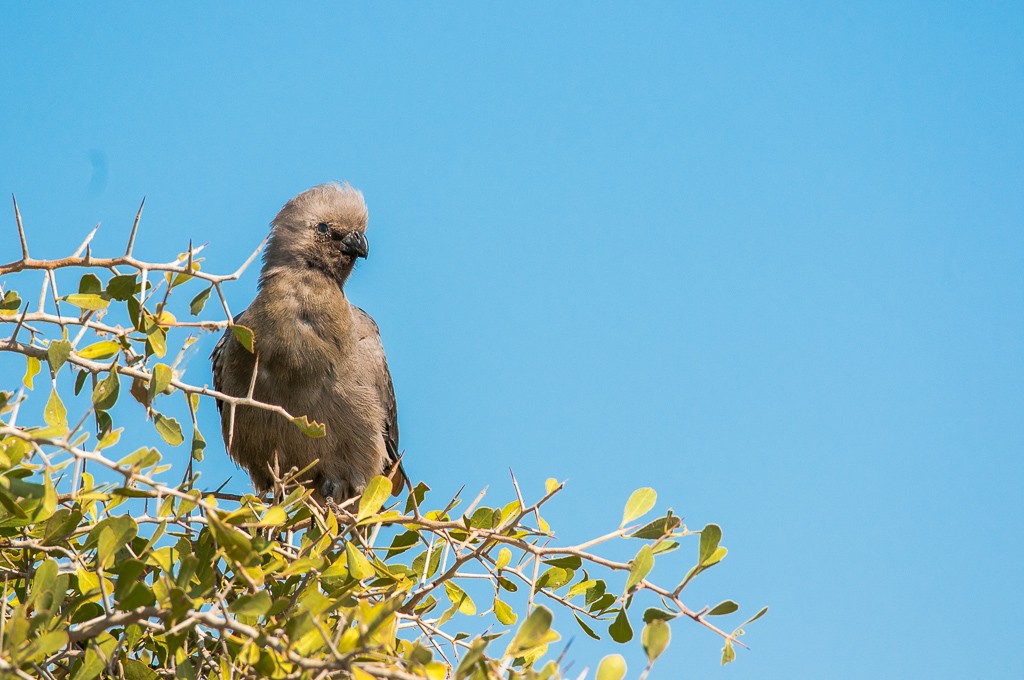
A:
x: 316, y: 355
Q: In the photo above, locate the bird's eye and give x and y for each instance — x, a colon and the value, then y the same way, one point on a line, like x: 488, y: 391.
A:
x: 322, y: 228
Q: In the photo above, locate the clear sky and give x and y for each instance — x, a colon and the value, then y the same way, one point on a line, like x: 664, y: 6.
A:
x: 765, y: 257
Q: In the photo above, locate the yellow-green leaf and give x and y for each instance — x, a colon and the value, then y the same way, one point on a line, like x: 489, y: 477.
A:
x: 57, y: 353
x: 169, y: 429
x: 109, y: 439
x: 504, y: 557
x: 92, y: 301
x: 100, y: 350
x: 503, y: 612
x: 377, y: 491
x: 31, y: 370
x: 104, y: 395
x: 639, y: 504
x: 709, y: 538
x: 459, y: 598
x: 612, y: 667
x: 55, y: 414
x: 357, y: 563
x: 640, y: 567
x: 728, y: 653
x: 655, y: 638
x: 251, y: 604
x: 245, y: 336
x: 199, y: 301
x: 535, y: 631
x: 161, y: 380
x: 310, y: 428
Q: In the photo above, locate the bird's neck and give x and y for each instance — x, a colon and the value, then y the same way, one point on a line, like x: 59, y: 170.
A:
x: 304, y: 306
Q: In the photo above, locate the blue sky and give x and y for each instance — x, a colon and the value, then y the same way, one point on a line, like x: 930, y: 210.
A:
x: 766, y: 259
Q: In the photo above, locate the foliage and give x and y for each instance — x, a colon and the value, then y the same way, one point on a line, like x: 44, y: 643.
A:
x: 110, y: 569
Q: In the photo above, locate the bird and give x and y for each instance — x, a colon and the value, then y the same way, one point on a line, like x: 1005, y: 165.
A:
x: 315, y: 354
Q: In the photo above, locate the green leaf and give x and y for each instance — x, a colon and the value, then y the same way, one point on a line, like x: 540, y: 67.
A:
x: 31, y: 370
x: 639, y: 504
x: 43, y: 583
x: 46, y: 644
x: 755, y: 617
x: 357, y: 563
x: 114, y: 535
x: 80, y: 381
x: 198, y: 444
x: 169, y: 429
x: 136, y: 670
x: 156, y: 337
x: 612, y: 667
x: 503, y: 612
x: 376, y: 492
x: 100, y: 350
x: 92, y: 301
x: 723, y: 608
x: 663, y: 526
x: 199, y: 301
x: 235, y: 544
x: 57, y: 353
x: 310, y: 428
x: 554, y: 578
x: 60, y: 525
x: 96, y: 655
x: 567, y: 562
x: 620, y: 629
x: 728, y: 653
x: 55, y: 414
x: 459, y: 598
x: 104, y: 395
x: 709, y: 539
x: 245, y: 336
x: 10, y: 304
x: 586, y: 629
x: 640, y: 567
x: 122, y: 287
x: 161, y: 380
x: 655, y: 638
x: 90, y: 283
x: 251, y: 604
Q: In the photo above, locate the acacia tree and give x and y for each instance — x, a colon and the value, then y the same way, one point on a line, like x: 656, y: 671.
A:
x: 112, y: 568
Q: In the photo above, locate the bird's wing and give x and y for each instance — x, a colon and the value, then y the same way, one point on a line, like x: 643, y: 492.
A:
x: 369, y: 338
x: 218, y: 357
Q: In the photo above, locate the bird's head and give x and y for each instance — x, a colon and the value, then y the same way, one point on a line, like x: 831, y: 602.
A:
x: 323, y: 228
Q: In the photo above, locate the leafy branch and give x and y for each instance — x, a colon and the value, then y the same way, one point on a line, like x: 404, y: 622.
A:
x: 111, y: 570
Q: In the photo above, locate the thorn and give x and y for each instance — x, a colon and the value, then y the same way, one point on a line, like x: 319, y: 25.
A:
x: 21, y: 321
x: 135, y: 229
x: 21, y: 229
x: 85, y: 243
x: 519, y: 494
x: 188, y: 264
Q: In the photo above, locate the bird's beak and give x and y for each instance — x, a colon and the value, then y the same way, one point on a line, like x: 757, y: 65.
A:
x: 354, y: 244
